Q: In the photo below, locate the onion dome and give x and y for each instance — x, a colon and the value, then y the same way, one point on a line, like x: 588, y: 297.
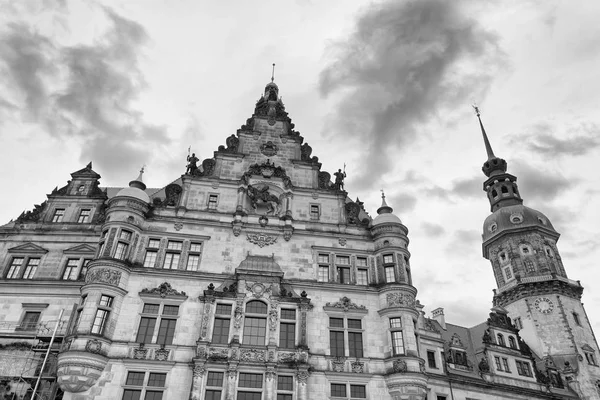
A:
x: 385, y: 214
x: 136, y: 189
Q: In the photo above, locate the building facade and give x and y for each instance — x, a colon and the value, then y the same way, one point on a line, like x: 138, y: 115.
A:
x: 254, y: 276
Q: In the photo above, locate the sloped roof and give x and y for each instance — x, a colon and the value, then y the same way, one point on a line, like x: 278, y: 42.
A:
x: 261, y: 265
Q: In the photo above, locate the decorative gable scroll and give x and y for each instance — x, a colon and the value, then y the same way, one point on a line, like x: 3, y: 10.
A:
x: 163, y: 290
x: 345, y: 305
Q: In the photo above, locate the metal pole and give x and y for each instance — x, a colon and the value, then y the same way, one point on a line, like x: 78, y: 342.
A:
x: 37, y: 383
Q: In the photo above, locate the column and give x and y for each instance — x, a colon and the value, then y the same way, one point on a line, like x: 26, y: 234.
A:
x: 302, y: 386
x: 197, y: 380
x: 231, y: 375
x: 270, y: 384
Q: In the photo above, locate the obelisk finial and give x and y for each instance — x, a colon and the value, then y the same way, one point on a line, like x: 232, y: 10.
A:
x: 273, y: 73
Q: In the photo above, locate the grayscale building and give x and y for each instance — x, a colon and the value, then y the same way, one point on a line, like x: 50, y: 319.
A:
x: 254, y: 276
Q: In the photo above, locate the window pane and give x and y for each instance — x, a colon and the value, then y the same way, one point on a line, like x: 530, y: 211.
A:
x: 30, y: 320
x: 166, y: 331
x: 196, y: 247
x: 213, y: 395
x: 150, y: 259
x: 151, y: 308
x: 343, y: 260
x: 154, y: 243
x: 431, y: 359
x: 323, y: 259
x: 250, y: 380
x: 355, y: 344
x: 249, y: 396
x: 389, y: 274
x: 106, y: 301
x: 99, y: 321
x: 323, y: 274
x: 358, y: 391
x: 157, y: 380
x: 388, y: 259
x: 193, y: 262
x: 361, y: 262
x: 125, y: 235
x: 282, y: 396
x: 223, y: 309
x: 343, y: 274
x: 255, y: 330
x: 171, y: 260
x: 215, y: 379
x: 221, y: 331
x: 288, y: 314
x: 59, y: 214
x: 256, y: 307
x: 146, y: 330
x: 174, y: 245
x: 84, y: 217
x: 31, y: 268
x: 129, y: 394
x: 170, y: 310
x: 153, y: 395
x: 287, y: 335
x: 15, y: 267
x: 395, y: 323
x: 361, y: 277
x: 336, y: 343
x: 354, y: 324
x: 338, y: 390
x: 121, y: 250
x: 285, y: 383
x: 135, y: 378
x: 336, y: 322
x: 397, y: 342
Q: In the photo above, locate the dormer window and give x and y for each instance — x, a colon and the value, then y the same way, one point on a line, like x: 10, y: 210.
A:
x: 84, y: 216
x: 512, y: 342
x: 501, y: 341
x: 59, y: 215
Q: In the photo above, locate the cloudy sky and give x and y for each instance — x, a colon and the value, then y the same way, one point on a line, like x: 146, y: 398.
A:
x: 385, y: 87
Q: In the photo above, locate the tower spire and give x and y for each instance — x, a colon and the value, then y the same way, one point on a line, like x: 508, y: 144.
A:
x: 273, y: 73
x: 138, y: 182
x: 486, y: 141
x: 384, y: 209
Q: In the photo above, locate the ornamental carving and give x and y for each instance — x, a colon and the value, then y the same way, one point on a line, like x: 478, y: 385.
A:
x: 325, y: 181
x: 261, y: 239
x: 161, y: 354
x: 215, y: 353
x: 286, y: 357
x: 273, y: 316
x: 400, y: 299
x: 353, y: 214
x: 199, y: 371
x: 267, y: 170
x: 140, y: 353
x: 400, y: 366
x: 269, y: 149
x: 338, y: 365
x: 271, y: 374
x: 232, y: 143
x: 252, y: 355
x: 358, y: 367
x: 249, y: 125
x: 430, y: 326
x: 484, y: 366
x: 208, y: 168
x: 302, y: 377
x: 103, y: 275
x: 33, y: 215
x: 172, y: 193
x: 163, y: 290
x: 455, y: 341
x: 260, y: 194
x: 305, y: 152
x: 94, y: 346
x: 346, y: 304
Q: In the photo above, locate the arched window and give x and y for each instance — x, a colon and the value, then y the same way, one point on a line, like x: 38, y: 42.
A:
x: 255, y: 323
x: 512, y: 343
x: 494, y: 193
x: 504, y: 190
x: 501, y: 341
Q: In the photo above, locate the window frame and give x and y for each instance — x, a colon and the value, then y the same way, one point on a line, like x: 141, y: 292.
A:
x: 324, y: 264
x: 151, y: 249
x: 158, y: 319
x: 223, y: 317
x: 210, y: 204
x: 250, y: 389
x: 87, y: 217
x: 348, y: 346
x: 24, y: 268
x: 174, y: 253
x: 78, y: 271
x: 194, y: 253
x: 396, y: 326
x: 283, y: 320
x: 248, y: 339
x: 314, y: 211
x: 58, y: 216
x: 104, y: 307
x: 431, y: 359
x: 348, y: 390
x: 144, y: 388
x: 124, y: 243
x: 214, y: 388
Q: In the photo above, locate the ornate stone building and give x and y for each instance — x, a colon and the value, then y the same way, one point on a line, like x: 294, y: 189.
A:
x: 254, y: 276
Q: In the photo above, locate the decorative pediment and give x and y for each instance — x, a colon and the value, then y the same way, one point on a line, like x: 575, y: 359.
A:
x: 29, y: 248
x: 456, y: 342
x: 83, y: 248
x: 345, y: 304
x: 163, y: 290
x: 86, y: 172
x: 267, y: 170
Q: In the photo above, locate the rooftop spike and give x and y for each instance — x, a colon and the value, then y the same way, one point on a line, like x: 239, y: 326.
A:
x: 488, y: 146
x: 273, y: 73
x: 138, y: 182
x: 384, y: 209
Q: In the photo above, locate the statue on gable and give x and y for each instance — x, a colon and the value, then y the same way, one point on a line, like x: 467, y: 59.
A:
x: 192, y: 165
x: 339, y: 179
x: 260, y: 195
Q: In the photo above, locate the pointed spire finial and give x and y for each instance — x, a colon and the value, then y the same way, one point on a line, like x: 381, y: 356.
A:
x: 486, y: 141
x: 384, y: 209
x: 273, y: 73
x: 89, y: 166
x: 138, y: 182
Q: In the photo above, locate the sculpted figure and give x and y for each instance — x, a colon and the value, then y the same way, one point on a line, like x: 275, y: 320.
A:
x: 339, y: 180
x: 192, y: 166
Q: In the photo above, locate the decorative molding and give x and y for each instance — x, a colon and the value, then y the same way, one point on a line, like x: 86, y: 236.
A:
x: 261, y: 239
x: 252, y: 355
x: 140, y: 353
x: 178, y: 226
x: 94, y: 346
x: 103, y: 275
x: 163, y: 290
x: 346, y: 304
x: 342, y: 241
x: 358, y: 367
x: 400, y: 299
x: 400, y: 366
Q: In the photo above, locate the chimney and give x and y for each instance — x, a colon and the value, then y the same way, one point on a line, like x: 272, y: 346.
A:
x: 438, y: 315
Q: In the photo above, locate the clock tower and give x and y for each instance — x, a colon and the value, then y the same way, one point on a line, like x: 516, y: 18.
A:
x: 532, y: 284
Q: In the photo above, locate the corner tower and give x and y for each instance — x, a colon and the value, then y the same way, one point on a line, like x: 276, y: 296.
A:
x: 532, y: 284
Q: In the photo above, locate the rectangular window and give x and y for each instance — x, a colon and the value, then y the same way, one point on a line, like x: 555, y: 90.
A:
x: 15, y: 268
x: 193, y: 262
x: 498, y: 364
x: 100, y: 321
x: 287, y: 335
x: 84, y: 216
x: 84, y: 268
x: 151, y: 319
x: 125, y: 235
x: 343, y: 274
x: 336, y: 343
x: 388, y: 259
x: 172, y: 245
x: 214, y: 385
x: 355, y: 344
x: 142, y: 385
x: 576, y: 318
x: 121, y: 250
x: 285, y: 387
x: 358, y: 391
x: 71, y: 269
x: 222, y: 324
x: 315, y: 212
x: 395, y: 322
x: 505, y: 365
x: 30, y: 321
x: 146, y: 330
x: 431, y: 359
x: 171, y: 261
x: 526, y: 369
x: 508, y: 273
x: 154, y: 243
x: 255, y: 330
x: 150, y: 258
x: 106, y: 301
x: 323, y: 274
x: 59, y: 214
x: 195, y: 247
x: 254, y: 381
x: 389, y: 274
x: 397, y: 342
x: 362, y: 277
x: 31, y: 268
x: 361, y: 262
x: 166, y: 331
x: 213, y: 200
x: 342, y: 260
x: 338, y: 390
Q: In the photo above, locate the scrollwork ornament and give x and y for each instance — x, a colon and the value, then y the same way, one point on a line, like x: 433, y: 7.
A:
x: 199, y: 371
x: 302, y: 377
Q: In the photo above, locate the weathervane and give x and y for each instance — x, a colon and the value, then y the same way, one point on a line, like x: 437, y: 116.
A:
x: 476, y: 109
x: 273, y: 73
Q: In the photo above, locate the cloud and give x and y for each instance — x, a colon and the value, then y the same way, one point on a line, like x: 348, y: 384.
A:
x: 85, y: 92
x: 466, y: 242
x: 537, y: 184
x: 468, y: 187
x: 402, y: 203
x: 404, y: 63
x: 432, y: 230
x: 575, y: 140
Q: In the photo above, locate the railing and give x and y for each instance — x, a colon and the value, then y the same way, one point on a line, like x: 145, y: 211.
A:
x: 40, y: 329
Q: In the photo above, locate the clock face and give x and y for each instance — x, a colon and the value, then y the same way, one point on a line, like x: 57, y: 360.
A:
x: 544, y: 305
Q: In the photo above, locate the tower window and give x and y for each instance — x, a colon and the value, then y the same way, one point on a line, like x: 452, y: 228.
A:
x: 504, y: 190
x: 315, y: 212
x: 431, y: 359
x: 501, y: 340
x: 213, y: 200
x: 397, y: 337
x: 529, y: 266
x: 576, y: 318
x: 494, y: 193
x: 512, y: 343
